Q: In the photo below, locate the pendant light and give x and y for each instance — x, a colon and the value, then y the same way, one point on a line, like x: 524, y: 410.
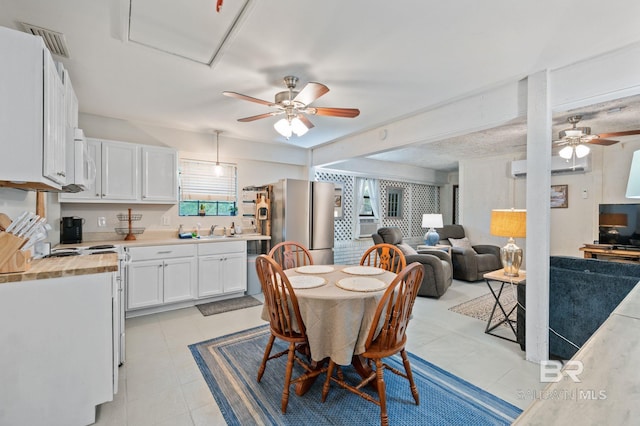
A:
x: 218, y: 170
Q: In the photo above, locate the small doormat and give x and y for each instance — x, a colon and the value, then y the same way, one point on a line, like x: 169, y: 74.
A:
x: 221, y: 306
x: 481, y: 307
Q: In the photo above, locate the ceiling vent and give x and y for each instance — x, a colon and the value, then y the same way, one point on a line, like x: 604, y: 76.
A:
x: 558, y: 166
x: 54, y: 41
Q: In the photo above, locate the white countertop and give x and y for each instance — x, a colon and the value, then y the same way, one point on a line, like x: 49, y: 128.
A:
x: 170, y: 241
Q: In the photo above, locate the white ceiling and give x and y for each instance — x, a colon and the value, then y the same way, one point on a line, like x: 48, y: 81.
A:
x: 147, y: 60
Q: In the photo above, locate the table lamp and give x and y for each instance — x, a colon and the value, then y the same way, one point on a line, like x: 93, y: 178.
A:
x: 510, y: 223
x: 431, y: 221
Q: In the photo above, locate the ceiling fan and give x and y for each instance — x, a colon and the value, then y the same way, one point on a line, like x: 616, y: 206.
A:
x: 576, y: 138
x: 294, y: 105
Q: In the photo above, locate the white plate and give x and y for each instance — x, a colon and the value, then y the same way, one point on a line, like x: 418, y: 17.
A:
x: 363, y: 270
x: 306, y: 281
x: 361, y: 284
x: 314, y: 269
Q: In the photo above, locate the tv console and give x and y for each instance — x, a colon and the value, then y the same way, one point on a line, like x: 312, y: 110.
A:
x: 610, y: 252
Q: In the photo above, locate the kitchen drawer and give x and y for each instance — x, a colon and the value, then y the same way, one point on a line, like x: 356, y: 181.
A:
x: 162, y: 252
x: 222, y: 247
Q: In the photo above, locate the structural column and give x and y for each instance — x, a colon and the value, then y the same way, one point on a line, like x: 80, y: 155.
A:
x: 538, y: 216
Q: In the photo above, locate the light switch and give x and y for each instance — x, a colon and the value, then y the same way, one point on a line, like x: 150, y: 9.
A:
x: 165, y: 220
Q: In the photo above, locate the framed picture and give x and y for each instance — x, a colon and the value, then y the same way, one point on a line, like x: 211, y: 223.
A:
x: 559, y: 196
x: 337, y: 202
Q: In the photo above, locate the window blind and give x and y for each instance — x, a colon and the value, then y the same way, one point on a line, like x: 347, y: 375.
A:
x: 198, y: 181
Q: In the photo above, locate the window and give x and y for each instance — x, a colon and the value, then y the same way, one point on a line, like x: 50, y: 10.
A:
x: 394, y: 202
x: 203, y: 192
x: 366, y: 210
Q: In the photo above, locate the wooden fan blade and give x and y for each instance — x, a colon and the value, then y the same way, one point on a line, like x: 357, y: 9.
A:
x: 617, y: 134
x: 335, y: 112
x: 310, y: 92
x: 605, y: 142
x: 305, y: 121
x: 247, y: 98
x: 258, y: 117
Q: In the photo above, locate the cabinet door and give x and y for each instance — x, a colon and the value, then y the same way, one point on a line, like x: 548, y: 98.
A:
x: 120, y: 176
x: 210, y: 275
x: 159, y: 175
x: 179, y: 279
x: 91, y: 169
x: 144, y: 284
x: 234, y: 272
x: 54, y: 123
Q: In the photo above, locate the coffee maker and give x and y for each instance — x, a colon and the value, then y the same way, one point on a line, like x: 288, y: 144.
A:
x: 71, y: 230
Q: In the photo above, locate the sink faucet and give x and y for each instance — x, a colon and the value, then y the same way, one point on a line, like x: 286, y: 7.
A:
x: 213, y: 227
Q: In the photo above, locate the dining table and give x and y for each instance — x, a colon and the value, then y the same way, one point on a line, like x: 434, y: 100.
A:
x: 337, y: 305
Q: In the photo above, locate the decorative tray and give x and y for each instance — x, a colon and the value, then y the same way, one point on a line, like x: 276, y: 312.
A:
x: 364, y: 284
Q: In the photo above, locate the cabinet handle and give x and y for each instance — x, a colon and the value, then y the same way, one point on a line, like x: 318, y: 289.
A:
x: 61, y: 174
x: 164, y: 252
x: 103, y: 195
x: 160, y: 266
x: 97, y: 195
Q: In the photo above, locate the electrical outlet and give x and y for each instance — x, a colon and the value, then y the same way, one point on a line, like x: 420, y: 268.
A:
x: 165, y: 220
x: 102, y: 222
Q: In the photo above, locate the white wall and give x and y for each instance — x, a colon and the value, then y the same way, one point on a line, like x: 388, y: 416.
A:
x: 485, y: 184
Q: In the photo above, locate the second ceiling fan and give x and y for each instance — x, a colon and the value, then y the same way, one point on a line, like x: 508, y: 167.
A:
x: 574, y: 140
x: 295, y: 105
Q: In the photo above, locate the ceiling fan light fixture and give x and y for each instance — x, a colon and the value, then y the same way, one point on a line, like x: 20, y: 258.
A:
x: 283, y: 127
x: 298, y: 127
x: 566, y: 152
x: 573, y: 133
x: 582, y: 150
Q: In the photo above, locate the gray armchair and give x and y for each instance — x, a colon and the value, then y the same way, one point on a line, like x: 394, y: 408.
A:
x: 469, y: 264
x: 437, y: 264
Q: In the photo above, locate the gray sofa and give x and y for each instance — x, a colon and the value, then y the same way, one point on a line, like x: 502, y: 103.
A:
x: 437, y: 264
x: 582, y: 295
x: 469, y: 264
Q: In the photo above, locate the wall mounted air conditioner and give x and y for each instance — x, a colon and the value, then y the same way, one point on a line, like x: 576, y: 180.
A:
x: 558, y: 166
x: 368, y: 227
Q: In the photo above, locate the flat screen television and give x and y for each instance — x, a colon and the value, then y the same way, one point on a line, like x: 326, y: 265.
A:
x: 619, y: 224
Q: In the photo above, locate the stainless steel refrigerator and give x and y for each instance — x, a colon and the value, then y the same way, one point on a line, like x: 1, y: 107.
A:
x: 302, y: 211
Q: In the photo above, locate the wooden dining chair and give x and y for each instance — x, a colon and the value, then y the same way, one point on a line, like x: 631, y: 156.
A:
x: 285, y: 323
x: 385, y: 256
x: 392, y: 317
x: 289, y: 254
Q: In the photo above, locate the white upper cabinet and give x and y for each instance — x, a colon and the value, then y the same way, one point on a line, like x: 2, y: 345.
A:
x: 120, y: 171
x: 129, y: 173
x: 159, y: 175
x: 32, y: 114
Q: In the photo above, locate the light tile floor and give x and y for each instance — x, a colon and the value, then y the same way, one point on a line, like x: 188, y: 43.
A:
x: 160, y: 383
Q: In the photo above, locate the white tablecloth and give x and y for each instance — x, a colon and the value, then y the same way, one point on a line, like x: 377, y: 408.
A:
x: 337, y: 320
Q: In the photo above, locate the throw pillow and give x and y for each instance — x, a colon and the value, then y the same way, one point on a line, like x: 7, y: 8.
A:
x: 406, y: 249
x: 461, y: 242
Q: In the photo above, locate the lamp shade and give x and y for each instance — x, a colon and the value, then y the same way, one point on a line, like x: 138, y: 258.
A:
x: 432, y: 220
x: 613, y: 219
x: 633, y: 186
x: 509, y: 223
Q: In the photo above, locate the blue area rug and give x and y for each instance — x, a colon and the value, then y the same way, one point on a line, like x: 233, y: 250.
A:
x: 230, y: 363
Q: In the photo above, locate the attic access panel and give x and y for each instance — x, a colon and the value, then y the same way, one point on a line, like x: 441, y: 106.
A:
x: 192, y: 30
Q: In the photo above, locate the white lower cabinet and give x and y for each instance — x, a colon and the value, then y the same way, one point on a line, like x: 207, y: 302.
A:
x: 160, y: 274
x: 169, y: 276
x: 222, y: 268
